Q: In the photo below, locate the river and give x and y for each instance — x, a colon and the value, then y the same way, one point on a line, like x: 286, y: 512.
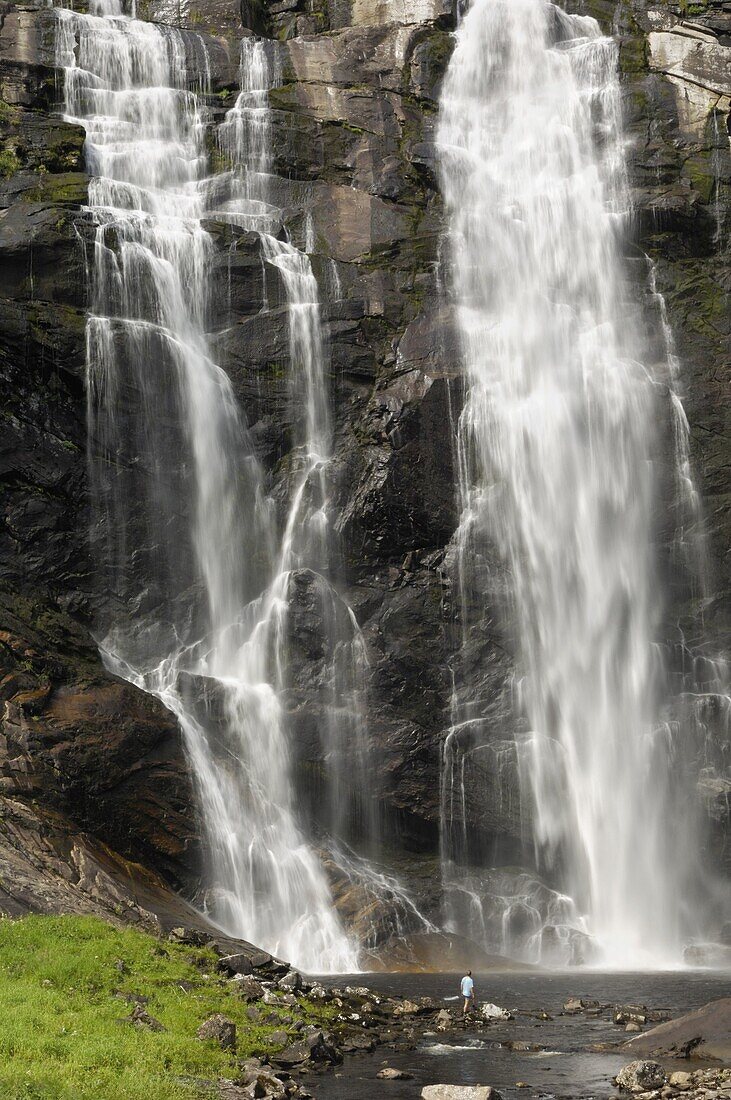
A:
x: 563, y: 1068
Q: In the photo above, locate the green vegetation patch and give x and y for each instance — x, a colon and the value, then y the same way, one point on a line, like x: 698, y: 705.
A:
x: 67, y: 989
x: 9, y: 163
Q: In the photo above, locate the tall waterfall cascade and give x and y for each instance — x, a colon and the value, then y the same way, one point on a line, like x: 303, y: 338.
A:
x: 198, y: 556
x: 556, y: 443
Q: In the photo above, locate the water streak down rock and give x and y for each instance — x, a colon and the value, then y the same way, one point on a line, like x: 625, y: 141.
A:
x: 188, y: 537
x: 558, y: 478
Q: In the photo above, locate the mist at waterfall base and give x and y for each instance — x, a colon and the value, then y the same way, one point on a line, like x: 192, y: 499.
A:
x: 557, y: 556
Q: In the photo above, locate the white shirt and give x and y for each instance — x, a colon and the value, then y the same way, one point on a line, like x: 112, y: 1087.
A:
x: 467, y: 986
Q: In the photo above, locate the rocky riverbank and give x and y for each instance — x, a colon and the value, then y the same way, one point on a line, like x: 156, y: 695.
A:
x: 91, y: 1010
x: 363, y: 1020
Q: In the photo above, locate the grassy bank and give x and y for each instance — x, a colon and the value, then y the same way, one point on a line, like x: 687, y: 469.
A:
x: 63, y: 1033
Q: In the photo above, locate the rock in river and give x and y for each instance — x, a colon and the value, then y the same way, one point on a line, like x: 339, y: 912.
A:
x: 641, y: 1076
x: 705, y: 1033
x: 459, y: 1092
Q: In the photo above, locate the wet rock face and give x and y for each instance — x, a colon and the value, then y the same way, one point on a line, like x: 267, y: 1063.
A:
x: 353, y: 144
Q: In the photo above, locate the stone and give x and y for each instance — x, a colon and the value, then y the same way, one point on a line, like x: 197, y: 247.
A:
x: 247, y: 987
x: 315, y: 1047
x: 703, y: 1033
x: 361, y: 1042
x: 140, y: 1018
x: 235, y: 964
x: 219, y: 1028
x: 263, y: 1084
x: 390, y: 1074
x: 278, y: 1038
x: 632, y: 1025
x: 490, y: 1011
x: 681, y: 1080
x: 575, y: 1005
x: 407, y: 1008
x: 459, y: 1092
x: 291, y: 982
x: 694, y: 59
x: 227, y: 1090
x: 636, y: 1014
x: 443, y: 1020
x: 194, y: 937
x: 640, y: 1076
x: 249, y: 1067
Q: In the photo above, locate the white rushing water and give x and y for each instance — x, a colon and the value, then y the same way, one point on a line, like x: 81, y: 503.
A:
x: 191, y: 550
x: 555, y: 443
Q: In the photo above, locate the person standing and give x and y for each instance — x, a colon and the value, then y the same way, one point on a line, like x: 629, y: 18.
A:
x: 467, y: 989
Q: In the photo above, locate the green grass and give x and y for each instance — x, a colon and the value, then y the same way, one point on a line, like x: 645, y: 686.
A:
x: 62, y: 1032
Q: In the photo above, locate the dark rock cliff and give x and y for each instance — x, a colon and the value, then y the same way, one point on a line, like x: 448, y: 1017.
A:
x: 354, y: 119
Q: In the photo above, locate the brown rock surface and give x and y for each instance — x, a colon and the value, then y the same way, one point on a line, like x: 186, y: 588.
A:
x: 705, y: 1033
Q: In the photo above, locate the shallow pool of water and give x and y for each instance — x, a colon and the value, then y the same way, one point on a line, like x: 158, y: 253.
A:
x: 564, y: 1068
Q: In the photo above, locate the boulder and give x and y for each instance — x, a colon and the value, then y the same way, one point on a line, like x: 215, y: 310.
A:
x: 235, y: 964
x: 192, y: 937
x: 265, y: 1085
x: 681, y: 1080
x: 635, y: 1014
x: 227, y: 1090
x: 390, y: 1074
x: 704, y: 1033
x: 575, y: 1005
x: 359, y: 1042
x: 459, y: 1092
x: 319, y: 993
x: 248, y: 1068
x: 316, y: 1047
x: 490, y: 1011
x: 278, y: 1038
x: 444, y: 1020
x: 291, y: 982
x: 247, y: 987
x: 641, y: 1077
x: 142, y: 1019
x: 220, y: 1029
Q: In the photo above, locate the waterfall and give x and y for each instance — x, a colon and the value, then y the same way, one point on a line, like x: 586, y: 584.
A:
x: 555, y: 443
x: 196, y: 566
x: 346, y: 805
